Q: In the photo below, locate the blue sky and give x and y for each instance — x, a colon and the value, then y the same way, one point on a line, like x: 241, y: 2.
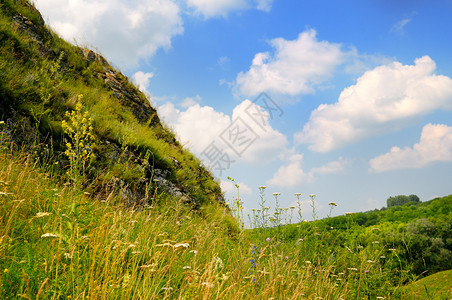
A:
x: 357, y: 96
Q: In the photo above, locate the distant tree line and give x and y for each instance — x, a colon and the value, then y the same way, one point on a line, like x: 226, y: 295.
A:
x: 401, y: 200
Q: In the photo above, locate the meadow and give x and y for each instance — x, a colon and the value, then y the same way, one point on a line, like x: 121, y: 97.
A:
x: 58, y: 243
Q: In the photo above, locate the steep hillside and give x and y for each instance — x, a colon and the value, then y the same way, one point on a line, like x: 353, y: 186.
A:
x: 43, y: 79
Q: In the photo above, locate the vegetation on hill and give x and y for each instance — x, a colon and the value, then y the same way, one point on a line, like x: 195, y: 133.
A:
x: 436, y: 286
x: 57, y: 243
x: 43, y: 78
x: 401, y: 200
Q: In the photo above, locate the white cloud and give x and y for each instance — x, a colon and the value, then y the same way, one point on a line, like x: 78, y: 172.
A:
x: 269, y: 143
x: 382, y: 99
x: 435, y: 145
x: 191, y: 101
x: 296, y: 67
x: 209, y: 8
x: 292, y: 174
x: 399, y: 27
x: 222, y: 8
x: 289, y: 175
x: 331, y: 167
x: 124, y: 31
x: 229, y: 187
x: 265, y: 5
x: 199, y: 126
x: 142, y: 80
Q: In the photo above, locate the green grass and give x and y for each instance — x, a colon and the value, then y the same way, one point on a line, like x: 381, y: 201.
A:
x: 56, y: 242
x: 41, y: 81
x: 436, y: 286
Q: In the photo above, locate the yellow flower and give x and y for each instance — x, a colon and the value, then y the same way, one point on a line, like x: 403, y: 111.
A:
x: 5, y: 271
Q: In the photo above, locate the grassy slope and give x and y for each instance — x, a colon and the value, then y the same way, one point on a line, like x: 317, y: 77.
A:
x: 41, y: 78
x: 436, y: 286
x: 56, y: 243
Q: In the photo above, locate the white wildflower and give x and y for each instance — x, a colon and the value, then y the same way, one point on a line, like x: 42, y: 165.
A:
x: 42, y: 214
x: 181, y: 246
x: 50, y: 235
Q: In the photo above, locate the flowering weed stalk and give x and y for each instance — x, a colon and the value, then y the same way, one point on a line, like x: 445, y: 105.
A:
x: 79, y: 130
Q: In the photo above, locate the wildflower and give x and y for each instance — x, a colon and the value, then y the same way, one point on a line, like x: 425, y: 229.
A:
x: 367, y: 271
x: 67, y: 255
x: 186, y: 268
x: 5, y: 271
x: 262, y: 187
x: 297, y: 194
x: 332, y: 204
x: 308, y: 262
x: 42, y: 214
x: 52, y: 235
x: 352, y: 269
x: 287, y: 257
x: 392, y: 249
x: 348, y: 213
x: 375, y: 228
x: 312, y: 195
x: 194, y: 251
x: 218, y: 263
x: 164, y: 245
x: 181, y: 246
x: 375, y: 242
x: 167, y: 288
x: 379, y: 297
x: 370, y: 261
x: 207, y: 284
x: 382, y: 256
x: 268, y: 239
x: 276, y: 194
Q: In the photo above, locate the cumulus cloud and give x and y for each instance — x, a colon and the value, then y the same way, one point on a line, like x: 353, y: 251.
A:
x: 123, y: 31
x: 142, y: 80
x: 382, y: 99
x: 292, y: 174
x: 197, y: 126
x: 296, y: 66
x: 229, y: 187
x: 289, y: 175
x: 435, y: 145
x: 239, y: 135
